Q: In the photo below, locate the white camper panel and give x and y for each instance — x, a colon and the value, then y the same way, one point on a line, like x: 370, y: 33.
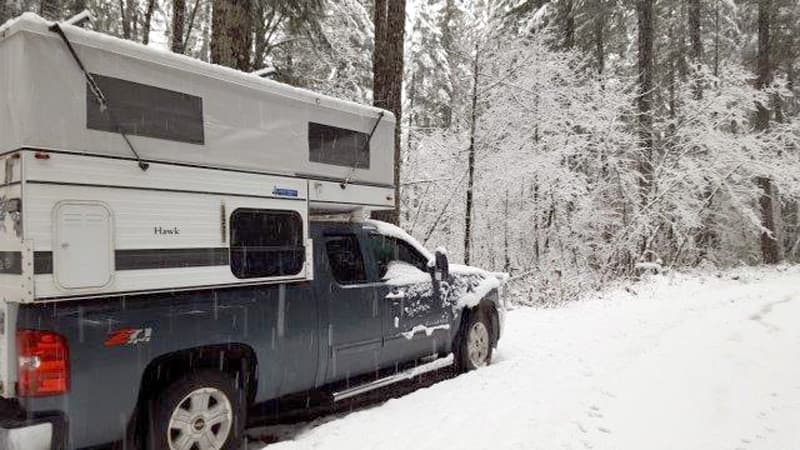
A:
x: 326, y: 196
x: 165, y: 229
x: 212, y: 116
x: 16, y: 255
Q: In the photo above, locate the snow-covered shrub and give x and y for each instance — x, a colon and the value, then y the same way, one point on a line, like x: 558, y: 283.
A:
x: 558, y: 199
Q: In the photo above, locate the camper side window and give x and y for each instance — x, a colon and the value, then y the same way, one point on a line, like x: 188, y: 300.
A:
x: 266, y: 243
x: 142, y: 110
x: 338, y: 146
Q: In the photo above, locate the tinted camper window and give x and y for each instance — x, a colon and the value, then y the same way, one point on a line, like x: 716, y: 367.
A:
x: 338, y: 146
x: 266, y: 243
x: 143, y: 110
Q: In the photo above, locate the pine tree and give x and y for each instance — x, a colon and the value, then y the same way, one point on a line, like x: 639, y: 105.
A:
x: 456, y: 37
x: 5, y: 11
x: 232, y: 33
x: 330, y: 53
x: 50, y: 9
x: 429, y: 77
x: 286, y: 33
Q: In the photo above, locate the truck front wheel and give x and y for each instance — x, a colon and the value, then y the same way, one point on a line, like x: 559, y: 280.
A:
x: 202, y: 411
x: 474, y: 349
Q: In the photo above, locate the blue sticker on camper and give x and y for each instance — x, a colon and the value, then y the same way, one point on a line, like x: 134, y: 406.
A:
x: 281, y: 192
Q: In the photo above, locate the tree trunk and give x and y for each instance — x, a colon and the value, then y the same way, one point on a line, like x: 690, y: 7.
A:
x: 126, y: 24
x: 148, y: 20
x: 695, y: 35
x: 390, y: 23
x: 644, y: 9
x: 178, y: 22
x: 763, y: 70
x: 536, y: 248
x: 412, y: 94
x: 600, y: 43
x: 770, y: 240
x: 696, y: 39
x: 471, y: 161
x: 716, y: 38
x: 448, y: 43
x: 379, y: 56
x: 569, y: 24
x: 506, y: 256
x: 133, y: 12
x: 231, y: 36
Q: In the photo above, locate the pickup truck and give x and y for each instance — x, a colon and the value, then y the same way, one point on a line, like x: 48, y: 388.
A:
x: 184, y: 370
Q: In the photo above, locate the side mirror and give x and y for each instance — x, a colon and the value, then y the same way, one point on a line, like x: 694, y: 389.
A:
x: 442, y: 267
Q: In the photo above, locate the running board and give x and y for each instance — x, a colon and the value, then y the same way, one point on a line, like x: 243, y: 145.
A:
x: 406, y: 375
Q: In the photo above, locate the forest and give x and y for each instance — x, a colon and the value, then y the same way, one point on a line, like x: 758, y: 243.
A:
x: 569, y: 143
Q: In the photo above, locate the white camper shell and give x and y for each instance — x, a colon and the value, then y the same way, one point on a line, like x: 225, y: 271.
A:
x: 237, y: 166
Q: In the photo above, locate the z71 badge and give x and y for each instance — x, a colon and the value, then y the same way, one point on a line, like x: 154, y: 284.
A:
x: 129, y: 336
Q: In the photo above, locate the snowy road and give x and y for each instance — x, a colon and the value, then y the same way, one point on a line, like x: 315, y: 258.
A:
x: 687, y: 362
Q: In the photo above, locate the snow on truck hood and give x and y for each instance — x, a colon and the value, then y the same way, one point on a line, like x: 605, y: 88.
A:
x: 468, y: 285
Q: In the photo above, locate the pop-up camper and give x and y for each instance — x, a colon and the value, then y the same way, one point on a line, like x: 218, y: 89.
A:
x: 124, y: 168
x: 174, y: 254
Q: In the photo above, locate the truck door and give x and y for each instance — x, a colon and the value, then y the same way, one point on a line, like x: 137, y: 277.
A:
x: 416, y: 322
x: 354, y: 321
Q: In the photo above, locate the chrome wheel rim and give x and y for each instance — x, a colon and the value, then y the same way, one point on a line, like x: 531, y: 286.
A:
x: 478, y: 345
x: 201, y: 421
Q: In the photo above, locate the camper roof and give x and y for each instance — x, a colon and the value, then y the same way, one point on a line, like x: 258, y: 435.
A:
x: 33, y: 23
x: 208, y: 115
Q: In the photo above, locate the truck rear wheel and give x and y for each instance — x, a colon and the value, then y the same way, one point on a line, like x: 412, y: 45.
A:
x: 474, y: 349
x: 202, y: 411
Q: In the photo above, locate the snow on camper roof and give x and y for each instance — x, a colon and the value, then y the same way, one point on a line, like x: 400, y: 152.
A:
x: 195, y: 112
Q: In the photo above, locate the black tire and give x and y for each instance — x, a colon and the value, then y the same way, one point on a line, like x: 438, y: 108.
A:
x: 177, y: 395
x: 477, y: 317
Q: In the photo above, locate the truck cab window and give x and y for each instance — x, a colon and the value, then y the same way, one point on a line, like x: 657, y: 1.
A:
x: 346, y: 260
x: 266, y: 243
x: 387, y: 249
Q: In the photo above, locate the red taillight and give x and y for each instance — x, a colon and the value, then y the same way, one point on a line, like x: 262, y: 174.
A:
x: 43, y: 363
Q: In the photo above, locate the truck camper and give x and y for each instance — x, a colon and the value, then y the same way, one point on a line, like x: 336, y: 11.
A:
x: 181, y: 243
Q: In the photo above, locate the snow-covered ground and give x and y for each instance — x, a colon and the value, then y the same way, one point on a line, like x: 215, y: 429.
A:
x: 678, y: 362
